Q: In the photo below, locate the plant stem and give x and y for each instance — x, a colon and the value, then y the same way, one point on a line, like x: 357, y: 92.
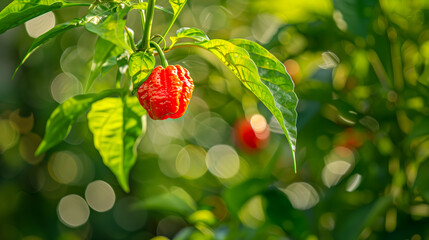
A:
x: 164, y: 62
x: 131, y: 39
x: 148, y: 25
x: 142, y: 16
x: 172, y: 22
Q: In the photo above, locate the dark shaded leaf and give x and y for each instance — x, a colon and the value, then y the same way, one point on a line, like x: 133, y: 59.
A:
x: 238, y: 195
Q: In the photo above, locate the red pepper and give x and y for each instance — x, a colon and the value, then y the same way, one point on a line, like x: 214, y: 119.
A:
x: 167, y: 92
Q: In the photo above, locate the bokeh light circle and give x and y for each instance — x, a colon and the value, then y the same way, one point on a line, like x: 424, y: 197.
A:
x: 223, y: 161
x: 40, y: 25
x: 100, y: 196
x: 65, y: 86
x: 73, y: 210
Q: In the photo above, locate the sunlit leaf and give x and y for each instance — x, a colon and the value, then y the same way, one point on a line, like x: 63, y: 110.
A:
x: 48, y: 35
x: 104, y: 51
x: 238, y: 195
x: 273, y: 74
x: 193, y: 33
x: 140, y: 67
x: 20, y: 11
x: 63, y: 117
x: 279, y: 99
x: 175, y: 200
x: 292, y: 11
x: 108, y: 21
x: 177, y: 5
x: 116, y: 126
x: 143, y: 6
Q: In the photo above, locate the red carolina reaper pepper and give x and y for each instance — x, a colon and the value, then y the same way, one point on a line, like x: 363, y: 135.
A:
x: 167, y: 92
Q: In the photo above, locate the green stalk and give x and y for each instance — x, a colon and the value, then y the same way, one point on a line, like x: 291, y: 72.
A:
x: 142, y: 16
x: 145, y: 44
x: 176, y: 14
x: 164, y: 62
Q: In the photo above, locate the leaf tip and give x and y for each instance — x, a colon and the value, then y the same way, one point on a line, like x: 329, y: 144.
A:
x: 123, y: 182
x: 40, y: 149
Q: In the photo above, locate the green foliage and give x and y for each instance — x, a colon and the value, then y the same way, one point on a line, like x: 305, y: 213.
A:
x: 108, y: 22
x: 187, y: 32
x: 105, y: 54
x: 238, y: 195
x: 117, y: 127
x: 175, y: 200
x: 140, y: 67
x: 20, y: 11
x: 260, y: 72
x: 63, y: 117
x: 47, y: 36
x: 361, y: 140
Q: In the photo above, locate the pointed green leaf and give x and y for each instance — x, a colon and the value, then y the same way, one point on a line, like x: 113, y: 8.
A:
x: 20, y: 11
x: 186, y: 32
x: 117, y: 126
x: 108, y: 20
x: 175, y: 200
x: 140, y: 66
x: 280, y: 102
x: 103, y: 52
x: 63, y: 117
x: 177, y: 6
x: 48, y: 35
x: 273, y: 74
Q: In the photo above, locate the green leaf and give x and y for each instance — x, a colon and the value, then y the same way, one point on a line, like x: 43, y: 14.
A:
x: 117, y: 127
x: 104, y: 51
x: 353, y: 224
x: 275, y: 90
x: 281, y: 212
x: 20, y: 11
x: 238, y: 195
x: 421, y: 183
x: 63, y: 117
x: 48, y: 35
x: 108, y: 21
x: 186, y: 32
x: 175, y: 200
x: 273, y: 74
x: 143, y: 6
x: 177, y: 6
x: 140, y: 67
x: 357, y: 14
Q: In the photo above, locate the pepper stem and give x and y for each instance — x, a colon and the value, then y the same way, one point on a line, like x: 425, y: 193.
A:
x: 145, y: 44
x: 164, y: 62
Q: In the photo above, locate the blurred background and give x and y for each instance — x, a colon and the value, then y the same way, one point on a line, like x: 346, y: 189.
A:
x: 224, y: 170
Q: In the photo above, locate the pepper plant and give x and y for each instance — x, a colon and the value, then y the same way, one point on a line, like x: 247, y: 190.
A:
x: 115, y: 115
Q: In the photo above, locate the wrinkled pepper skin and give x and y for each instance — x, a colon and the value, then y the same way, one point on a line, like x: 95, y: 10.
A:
x: 167, y: 92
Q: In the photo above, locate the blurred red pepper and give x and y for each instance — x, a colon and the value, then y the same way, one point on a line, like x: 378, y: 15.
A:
x: 251, y: 135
